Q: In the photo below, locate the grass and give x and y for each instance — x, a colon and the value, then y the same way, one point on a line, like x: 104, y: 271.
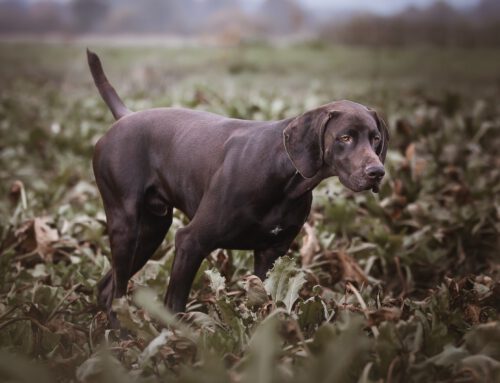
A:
x: 400, y: 286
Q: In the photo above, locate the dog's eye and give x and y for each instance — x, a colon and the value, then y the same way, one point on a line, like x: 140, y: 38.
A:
x: 345, y: 138
x: 376, y: 139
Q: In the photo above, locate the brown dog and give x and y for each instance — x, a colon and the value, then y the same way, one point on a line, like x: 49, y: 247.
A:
x: 243, y: 184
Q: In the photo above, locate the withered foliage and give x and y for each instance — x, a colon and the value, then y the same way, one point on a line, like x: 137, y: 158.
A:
x: 399, y: 287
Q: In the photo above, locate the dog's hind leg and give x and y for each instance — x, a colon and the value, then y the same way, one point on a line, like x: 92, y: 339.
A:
x: 134, y: 237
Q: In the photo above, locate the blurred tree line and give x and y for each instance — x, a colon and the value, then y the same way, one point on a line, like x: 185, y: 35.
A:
x: 439, y: 24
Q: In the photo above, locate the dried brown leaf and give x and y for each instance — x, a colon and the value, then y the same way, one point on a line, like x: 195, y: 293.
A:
x: 310, y: 245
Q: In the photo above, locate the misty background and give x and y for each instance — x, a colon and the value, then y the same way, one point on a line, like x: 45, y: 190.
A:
x: 465, y: 23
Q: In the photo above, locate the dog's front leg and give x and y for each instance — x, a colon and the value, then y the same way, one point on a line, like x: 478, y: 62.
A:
x: 189, y: 254
x: 264, y: 259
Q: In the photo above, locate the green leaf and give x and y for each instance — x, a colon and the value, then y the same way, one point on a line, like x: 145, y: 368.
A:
x: 18, y: 369
x: 147, y: 300
x: 340, y: 352
x: 484, y: 339
x: 284, y: 282
x: 262, y: 353
x: 312, y: 313
x: 102, y: 368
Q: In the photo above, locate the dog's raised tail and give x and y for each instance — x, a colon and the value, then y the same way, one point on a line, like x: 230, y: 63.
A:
x: 108, y: 93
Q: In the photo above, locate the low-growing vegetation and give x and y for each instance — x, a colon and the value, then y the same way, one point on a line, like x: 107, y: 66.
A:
x: 403, y: 286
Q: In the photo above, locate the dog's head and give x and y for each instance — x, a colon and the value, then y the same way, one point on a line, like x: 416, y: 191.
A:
x: 347, y: 138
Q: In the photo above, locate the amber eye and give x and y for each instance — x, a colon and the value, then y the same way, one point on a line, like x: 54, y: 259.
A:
x: 345, y: 138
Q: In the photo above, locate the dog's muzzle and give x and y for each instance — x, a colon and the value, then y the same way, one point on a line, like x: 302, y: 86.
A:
x: 375, y: 173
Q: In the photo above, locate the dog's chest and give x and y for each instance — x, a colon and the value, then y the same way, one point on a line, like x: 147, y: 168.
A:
x: 283, y: 218
x: 277, y: 225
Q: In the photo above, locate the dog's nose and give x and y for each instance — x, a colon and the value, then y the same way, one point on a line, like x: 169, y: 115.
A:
x: 375, y: 171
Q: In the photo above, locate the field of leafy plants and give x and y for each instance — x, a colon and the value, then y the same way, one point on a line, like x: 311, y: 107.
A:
x: 402, y: 286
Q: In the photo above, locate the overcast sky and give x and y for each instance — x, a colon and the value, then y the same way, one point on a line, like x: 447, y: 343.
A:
x: 379, y: 6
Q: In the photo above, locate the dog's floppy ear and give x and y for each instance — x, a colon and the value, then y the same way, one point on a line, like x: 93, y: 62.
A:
x: 303, y: 139
x: 384, y: 134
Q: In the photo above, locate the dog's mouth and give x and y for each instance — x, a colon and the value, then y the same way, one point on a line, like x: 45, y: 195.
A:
x: 376, y: 186
x: 360, y: 183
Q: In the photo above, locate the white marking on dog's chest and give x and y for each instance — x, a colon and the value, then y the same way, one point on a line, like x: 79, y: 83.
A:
x: 276, y: 230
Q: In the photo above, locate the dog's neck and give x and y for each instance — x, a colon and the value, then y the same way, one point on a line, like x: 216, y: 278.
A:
x: 297, y: 186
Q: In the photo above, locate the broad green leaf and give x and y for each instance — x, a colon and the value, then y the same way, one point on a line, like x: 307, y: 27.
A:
x: 262, y: 354
x: 284, y: 282
x: 102, y: 368
x: 18, y: 369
